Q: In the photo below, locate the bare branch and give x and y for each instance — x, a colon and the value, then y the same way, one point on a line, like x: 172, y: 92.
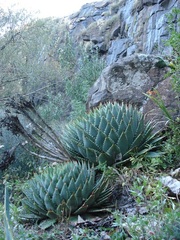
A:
x: 9, y: 41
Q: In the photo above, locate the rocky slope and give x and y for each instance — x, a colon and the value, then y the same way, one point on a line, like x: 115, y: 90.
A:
x: 121, y: 28
x: 130, y: 35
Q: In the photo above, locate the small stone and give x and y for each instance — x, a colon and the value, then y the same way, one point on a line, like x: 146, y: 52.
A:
x: 176, y: 173
x: 172, y: 184
x: 104, y: 236
x: 143, y: 210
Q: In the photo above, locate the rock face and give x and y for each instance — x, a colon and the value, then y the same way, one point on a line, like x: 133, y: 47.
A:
x: 129, y: 35
x: 123, y: 27
x: 129, y: 78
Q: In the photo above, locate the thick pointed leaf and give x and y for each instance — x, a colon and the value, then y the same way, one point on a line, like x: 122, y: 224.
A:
x: 51, y: 214
x: 56, y: 198
x: 114, y: 123
x: 92, y: 155
x: 88, y: 143
x: 39, y: 201
x: 113, y: 135
x: 129, y: 134
x: 123, y: 143
x: 92, y: 130
x: 72, y: 186
x: 48, y: 202
x: 72, y: 203
x: 104, y: 158
x: 64, y: 192
x: 47, y: 224
x: 78, y: 196
x: 107, y: 144
x: 100, y: 138
x: 121, y: 128
x: 113, y: 151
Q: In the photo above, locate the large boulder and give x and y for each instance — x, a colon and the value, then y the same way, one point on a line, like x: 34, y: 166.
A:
x: 128, y: 79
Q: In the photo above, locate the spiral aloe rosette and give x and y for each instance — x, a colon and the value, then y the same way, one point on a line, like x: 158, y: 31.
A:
x: 64, y: 190
x: 109, y: 134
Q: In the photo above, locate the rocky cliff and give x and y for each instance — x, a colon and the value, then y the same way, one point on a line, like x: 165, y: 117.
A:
x: 130, y: 35
x: 121, y: 28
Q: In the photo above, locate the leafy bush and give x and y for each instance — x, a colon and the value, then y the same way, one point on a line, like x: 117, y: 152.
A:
x: 23, y: 164
x: 173, y: 42
x: 79, y: 69
x: 57, y: 108
x: 170, y: 229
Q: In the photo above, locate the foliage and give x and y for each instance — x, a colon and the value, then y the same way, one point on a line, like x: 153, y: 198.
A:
x: 153, y: 226
x: 80, y: 69
x: 58, y: 79
x: 21, y: 164
x: 171, y: 227
x: 170, y: 147
x: 157, y: 99
x: 110, y: 135
x: 61, y: 106
x: 7, y: 227
x: 155, y: 212
x: 64, y: 190
x: 30, y: 66
x: 173, y: 42
x: 150, y: 193
x: 24, y: 47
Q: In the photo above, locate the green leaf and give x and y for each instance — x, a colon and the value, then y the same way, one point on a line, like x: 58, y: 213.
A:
x: 123, y: 143
x: 100, y: 138
x: 7, y: 227
x: 47, y: 224
x: 48, y: 202
x: 107, y: 144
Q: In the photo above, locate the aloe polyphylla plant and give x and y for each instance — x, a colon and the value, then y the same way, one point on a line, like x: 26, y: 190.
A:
x: 63, y: 190
x: 109, y: 134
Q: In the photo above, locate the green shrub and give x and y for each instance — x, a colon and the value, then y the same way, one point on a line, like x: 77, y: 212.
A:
x: 173, y: 42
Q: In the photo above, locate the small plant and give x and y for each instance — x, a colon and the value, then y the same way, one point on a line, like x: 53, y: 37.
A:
x: 171, y: 147
x: 7, y: 227
x: 157, y: 99
x: 115, y: 6
x: 111, y: 22
x: 110, y: 135
x: 150, y: 193
x: 156, y: 215
x: 170, y: 229
x: 63, y: 190
x: 154, y: 226
x: 173, y: 42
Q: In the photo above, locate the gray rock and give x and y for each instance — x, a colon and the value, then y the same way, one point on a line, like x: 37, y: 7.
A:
x: 172, y: 184
x: 176, y: 173
x: 154, y: 113
x: 140, y: 26
x: 130, y: 37
x: 128, y: 79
